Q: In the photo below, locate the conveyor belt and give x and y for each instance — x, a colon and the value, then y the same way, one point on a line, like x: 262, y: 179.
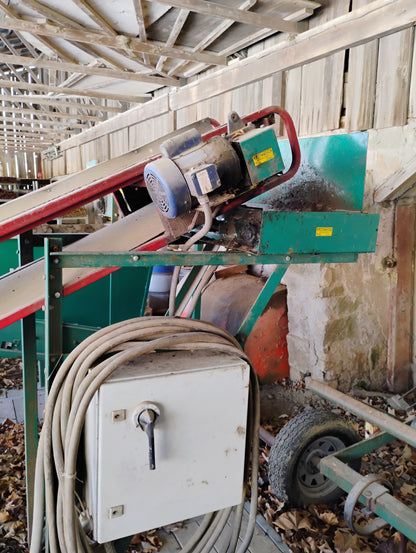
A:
x: 72, y: 191
x: 22, y: 291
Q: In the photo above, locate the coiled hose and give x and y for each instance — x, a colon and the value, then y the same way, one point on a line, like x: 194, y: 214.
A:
x: 74, y: 386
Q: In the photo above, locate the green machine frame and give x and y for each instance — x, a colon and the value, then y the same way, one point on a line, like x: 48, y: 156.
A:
x: 326, y: 226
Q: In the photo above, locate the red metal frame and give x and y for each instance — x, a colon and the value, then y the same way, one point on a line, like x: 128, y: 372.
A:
x: 134, y: 174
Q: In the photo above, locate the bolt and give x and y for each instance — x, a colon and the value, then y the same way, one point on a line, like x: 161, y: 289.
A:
x: 288, y: 258
x: 56, y: 261
x: 389, y: 262
x: 57, y: 295
x: 135, y: 258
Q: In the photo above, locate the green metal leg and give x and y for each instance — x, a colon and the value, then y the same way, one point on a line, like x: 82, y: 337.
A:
x: 53, y: 310
x: 260, y: 304
x: 28, y: 329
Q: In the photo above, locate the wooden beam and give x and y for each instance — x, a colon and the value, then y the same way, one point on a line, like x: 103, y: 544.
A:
x: 51, y: 114
x: 138, y: 8
x: 397, y: 185
x: 13, y: 50
x: 23, y: 142
x: 374, y: 20
x: 205, y: 41
x: 213, y: 9
x: 67, y: 91
x: 401, y: 308
x: 11, y: 132
x: 60, y: 52
x: 50, y: 101
x: 173, y: 35
x: 42, y: 123
x: 59, y: 18
x: 87, y: 70
x: 95, y: 16
x: 119, y: 42
x: 52, y: 15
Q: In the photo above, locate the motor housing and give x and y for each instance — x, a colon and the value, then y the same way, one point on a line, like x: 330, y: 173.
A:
x: 190, y: 168
x: 222, y: 167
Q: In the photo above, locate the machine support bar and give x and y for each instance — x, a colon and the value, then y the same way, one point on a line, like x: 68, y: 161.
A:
x: 378, y: 418
x: 53, y: 309
x: 385, y: 505
x: 28, y: 331
x: 148, y: 258
x: 260, y: 304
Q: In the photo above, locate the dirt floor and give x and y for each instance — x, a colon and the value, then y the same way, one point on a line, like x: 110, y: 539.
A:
x: 313, y: 528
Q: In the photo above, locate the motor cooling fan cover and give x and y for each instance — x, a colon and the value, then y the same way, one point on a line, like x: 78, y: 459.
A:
x: 167, y: 187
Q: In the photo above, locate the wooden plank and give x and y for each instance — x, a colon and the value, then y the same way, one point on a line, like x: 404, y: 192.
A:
x: 323, y: 81
x: 119, y: 142
x: 360, y: 87
x: 58, y: 166
x: 393, y: 79
x: 213, y: 9
x: 379, y: 18
x: 87, y: 70
x: 127, y: 43
x: 360, y: 83
x: 292, y: 86
x: 73, y: 160
x: 398, y: 184
x: 401, y: 302
x: 412, y: 94
x: 98, y: 150
x: 147, y: 131
x: 147, y: 111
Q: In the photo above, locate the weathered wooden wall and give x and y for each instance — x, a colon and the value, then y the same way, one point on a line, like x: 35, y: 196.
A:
x: 371, y: 85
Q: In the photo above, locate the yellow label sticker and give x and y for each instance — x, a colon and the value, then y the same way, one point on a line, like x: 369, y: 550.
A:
x: 324, y: 231
x: 264, y: 156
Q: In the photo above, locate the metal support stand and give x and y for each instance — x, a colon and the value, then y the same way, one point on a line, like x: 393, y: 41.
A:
x: 53, y: 310
x: 28, y: 329
x: 260, y: 304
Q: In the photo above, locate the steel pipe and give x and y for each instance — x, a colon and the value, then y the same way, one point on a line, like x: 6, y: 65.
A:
x: 378, y: 418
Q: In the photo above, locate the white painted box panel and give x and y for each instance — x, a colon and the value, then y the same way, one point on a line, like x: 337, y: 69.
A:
x: 199, y: 442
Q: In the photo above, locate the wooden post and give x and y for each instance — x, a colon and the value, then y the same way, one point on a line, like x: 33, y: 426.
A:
x: 401, y: 301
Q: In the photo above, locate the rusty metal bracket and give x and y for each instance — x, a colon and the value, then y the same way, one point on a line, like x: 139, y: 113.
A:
x: 371, y: 495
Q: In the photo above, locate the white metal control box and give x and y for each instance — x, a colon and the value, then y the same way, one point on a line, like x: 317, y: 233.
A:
x: 199, y: 437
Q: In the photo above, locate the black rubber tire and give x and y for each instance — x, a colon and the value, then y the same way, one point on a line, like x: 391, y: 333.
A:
x: 293, y: 477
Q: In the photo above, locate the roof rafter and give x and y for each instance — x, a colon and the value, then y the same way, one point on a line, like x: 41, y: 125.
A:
x: 122, y: 42
x: 95, y: 16
x: 73, y: 91
x: 87, y: 70
x: 217, y: 32
x: 51, y: 114
x: 268, y: 21
x: 42, y: 123
x: 48, y: 100
x: 174, y: 33
x: 138, y: 8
